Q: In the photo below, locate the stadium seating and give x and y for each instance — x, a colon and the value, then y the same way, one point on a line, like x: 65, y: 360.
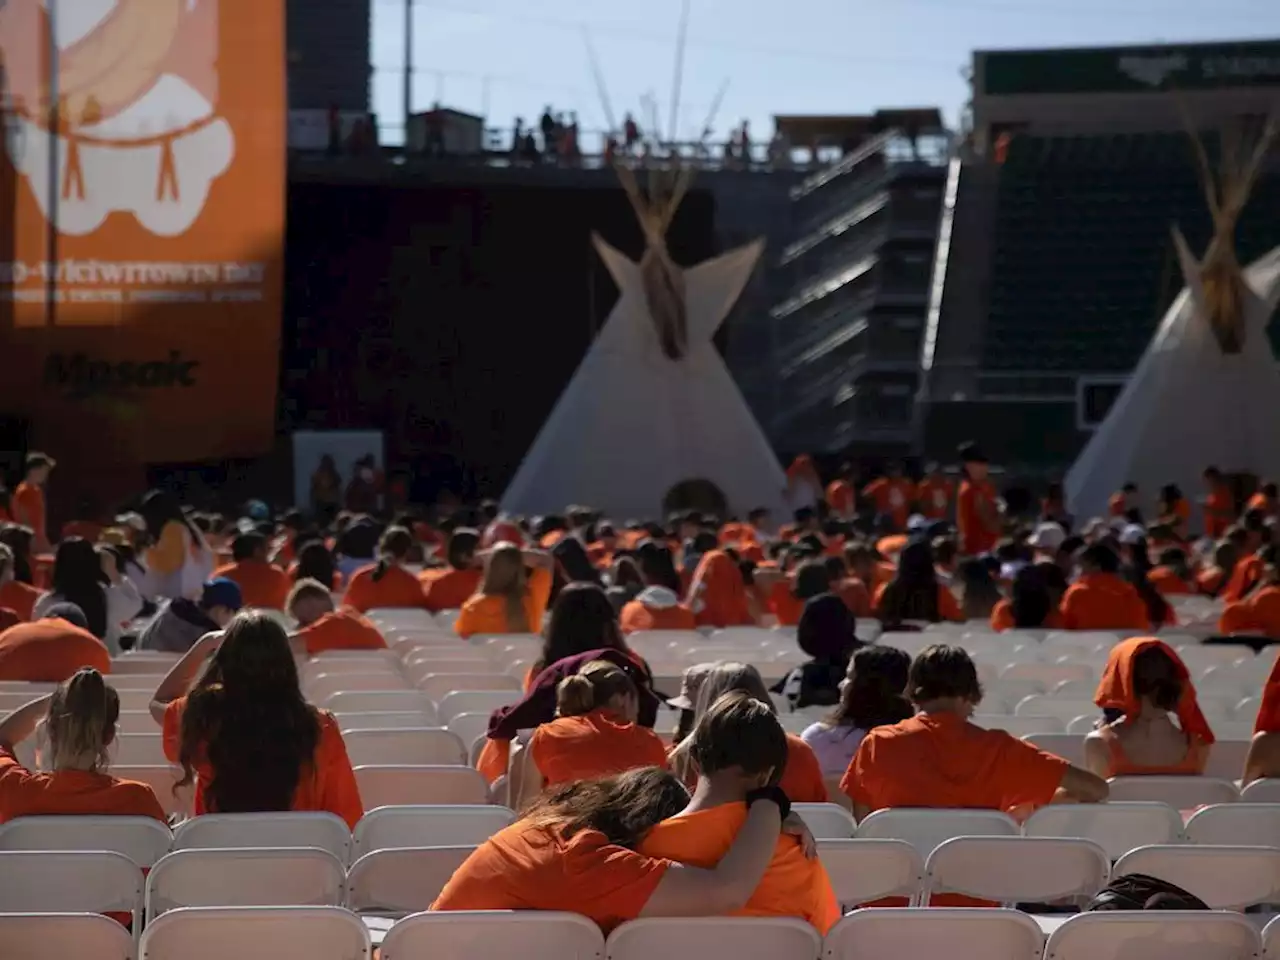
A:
x: 1181, y: 793
x: 384, y: 720
x: 283, y: 933
x: 1116, y: 827
x: 715, y: 938
x: 390, y: 828
x: 1012, y: 869
x: 957, y: 934
x: 1238, y: 824
x: 141, y: 839
x: 380, y: 701
x: 71, y: 882
x: 862, y: 871
x: 402, y: 881
x: 826, y: 821
x: 926, y: 830
x: 390, y: 784
x: 1154, y: 935
x: 1262, y: 791
x: 82, y: 936
x: 1226, y: 877
x: 423, y: 745
x: 323, y: 831
x: 493, y: 934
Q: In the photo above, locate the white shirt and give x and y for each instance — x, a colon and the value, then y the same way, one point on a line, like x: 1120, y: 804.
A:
x: 833, y: 746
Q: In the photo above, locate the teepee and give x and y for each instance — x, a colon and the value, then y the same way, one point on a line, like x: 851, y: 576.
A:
x: 652, y: 404
x: 1207, y: 389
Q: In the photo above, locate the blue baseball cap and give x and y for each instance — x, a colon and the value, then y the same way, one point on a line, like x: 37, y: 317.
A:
x: 69, y: 612
x: 221, y: 592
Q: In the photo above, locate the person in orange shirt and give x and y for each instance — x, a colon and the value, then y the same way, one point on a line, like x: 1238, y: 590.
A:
x: 387, y: 584
x: 717, y: 593
x: 789, y: 595
x: 1033, y: 601
x: 52, y: 649
x: 1173, y: 510
x: 1122, y: 502
x: 17, y: 596
x: 449, y: 588
x: 804, y: 486
x: 915, y: 593
x: 1213, y: 577
x: 80, y: 723
x: 892, y: 495
x: 1173, y: 576
x: 868, y: 565
x: 841, y: 496
x: 739, y: 746
x: 1144, y: 681
x: 1266, y: 500
x: 1253, y: 535
x: 847, y: 587
x: 1099, y: 599
x: 939, y: 759
x: 262, y: 584
x: 321, y: 627
x: 594, y: 735
x: 314, y: 561
x: 934, y: 493
x: 977, y: 516
x: 513, y: 593
x: 1263, y: 760
x: 1219, y: 504
x: 657, y: 606
x: 245, y: 734
x: 801, y: 777
x: 575, y: 851
x: 28, y: 505
x: 1259, y: 612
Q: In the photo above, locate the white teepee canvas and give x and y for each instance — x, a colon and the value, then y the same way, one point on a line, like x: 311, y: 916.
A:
x: 633, y: 423
x: 1190, y: 404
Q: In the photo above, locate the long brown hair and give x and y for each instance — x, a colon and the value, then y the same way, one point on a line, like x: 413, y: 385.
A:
x: 81, y: 721
x: 624, y: 808
x: 504, y: 576
x: 247, y: 717
x: 393, y: 547
x: 724, y: 677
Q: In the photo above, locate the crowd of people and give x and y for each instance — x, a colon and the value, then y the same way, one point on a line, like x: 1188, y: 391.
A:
x: 614, y: 822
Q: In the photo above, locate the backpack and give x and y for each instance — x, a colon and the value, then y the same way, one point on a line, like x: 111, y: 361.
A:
x: 1138, y: 891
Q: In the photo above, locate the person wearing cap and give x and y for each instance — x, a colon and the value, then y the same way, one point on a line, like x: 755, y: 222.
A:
x: 181, y: 622
x: 1100, y: 599
x: 321, y: 627
x: 934, y: 493
x: 1046, y: 540
x: 28, y: 506
x: 687, y: 700
x: 977, y: 516
x: 657, y: 606
x: 53, y: 648
x: 261, y: 583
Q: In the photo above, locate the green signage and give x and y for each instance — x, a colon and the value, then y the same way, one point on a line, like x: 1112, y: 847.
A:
x: 1131, y: 69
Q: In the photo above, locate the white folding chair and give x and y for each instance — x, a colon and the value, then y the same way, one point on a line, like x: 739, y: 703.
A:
x: 1224, y: 877
x: 382, y: 701
x: 324, y: 831
x: 1064, y: 708
x: 927, y: 829
x: 1262, y: 791
x: 1154, y: 935
x: 1003, y: 696
x: 862, y: 871
x: 372, y: 665
x: 1010, y: 870
x: 82, y: 936
x: 136, y: 721
x: 715, y: 938
x: 1050, y: 674
x: 1018, y: 726
x: 245, y: 877
x: 403, y: 881
x: 283, y: 933
x: 1075, y: 689
x: 383, y: 785
x: 1234, y: 824
x: 1234, y: 680
x: 453, y: 664
x: 342, y: 656
x: 439, y: 685
x: 142, y: 839
x: 1271, y: 940
x: 1083, y: 726
x: 146, y: 664
x: 424, y: 745
x: 474, y: 701
x: 81, y: 881
x: 402, y: 617
x: 1246, y: 711
x: 1181, y: 793
x: 1226, y: 759
x: 494, y: 935
x: 1068, y: 746
x: 957, y: 934
x: 826, y: 821
x: 469, y: 727
x: 319, y: 688
x: 398, y: 827
x: 138, y: 750
x: 1116, y: 827
x: 384, y: 720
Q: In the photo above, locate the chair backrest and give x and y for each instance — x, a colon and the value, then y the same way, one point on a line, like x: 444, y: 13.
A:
x: 1226, y: 878
x: 1271, y: 940
x: 1019, y: 726
x: 1262, y: 791
x: 319, y: 688
x: 428, y: 825
x: 826, y: 821
x: 499, y: 934
x: 439, y: 685
x: 1116, y: 827
x: 1226, y: 759
x: 1012, y: 869
x: 474, y: 701
x: 283, y: 933
x: 162, y: 779
x: 1068, y: 746
x: 1154, y: 935
x: 404, y: 880
x: 383, y: 785
x: 267, y: 830
x: 82, y: 936
x: 422, y: 745
x: 142, y: 839
x: 1238, y: 824
x: 381, y: 701
x: 138, y: 749
x: 245, y: 877
x: 1181, y: 793
x: 862, y: 871
x: 469, y: 727
x: 928, y: 829
x: 385, y: 720
x: 80, y: 881
x: 957, y: 934
x: 1065, y: 708
x: 1050, y: 674
x: 715, y: 938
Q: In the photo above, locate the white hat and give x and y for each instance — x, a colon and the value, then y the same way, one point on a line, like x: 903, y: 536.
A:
x: 1132, y: 534
x: 917, y: 521
x: 1048, y: 536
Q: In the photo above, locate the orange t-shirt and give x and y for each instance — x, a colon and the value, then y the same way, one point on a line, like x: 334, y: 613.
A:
x: 49, y: 651
x: 449, y: 589
x: 327, y: 785
x: 397, y: 588
x: 717, y: 593
x: 784, y: 604
x: 1002, y: 618
x: 70, y: 792
x: 1243, y: 578
x: 1209, y: 582
x: 1219, y: 506
x: 28, y: 508
x: 8, y: 618
x: 485, y: 613
x: 19, y: 597
x: 1118, y: 505
x: 591, y: 746
x: 802, y: 776
x: 1168, y: 583
x: 942, y: 760
x: 342, y: 629
x: 855, y: 596
x: 1260, y: 501
x: 637, y: 616
x: 1102, y: 601
x: 793, y: 885
x: 841, y: 497
x: 1259, y: 611
x: 261, y: 584
x: 528, y: 867
x: 935, y: 497
x: 892, y: 497
x: 948, y: 606
x: 975, y: 513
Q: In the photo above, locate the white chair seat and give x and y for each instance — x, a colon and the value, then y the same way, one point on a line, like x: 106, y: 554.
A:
x: 1238, y: 824
x: 381, y: 701
x: 475, y: 701
x: 82, y: 936
x: 324, y: 831
x: 862, y: 871
x: 439, y: 685
x: 1019, y: 726
x: 1012, y: 869
x: 142, y: 839
x: 1262, y: 791
x: 826, y: 821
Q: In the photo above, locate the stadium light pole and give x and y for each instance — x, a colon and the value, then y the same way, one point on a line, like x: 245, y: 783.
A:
x: 408, y: 67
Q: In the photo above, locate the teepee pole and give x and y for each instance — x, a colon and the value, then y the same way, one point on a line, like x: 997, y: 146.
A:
x: 682, y: 36
x: 598, y: 76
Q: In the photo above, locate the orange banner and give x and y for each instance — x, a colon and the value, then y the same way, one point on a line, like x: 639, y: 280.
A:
x: 142, y: 189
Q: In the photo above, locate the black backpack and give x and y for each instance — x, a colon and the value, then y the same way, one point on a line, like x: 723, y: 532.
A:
x: 1138, y: 891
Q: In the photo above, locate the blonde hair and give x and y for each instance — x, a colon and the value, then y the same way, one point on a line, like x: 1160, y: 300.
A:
x: 81, y: 721
x: 592, y: 687
x: 504, y: 577
x: 725, y: 677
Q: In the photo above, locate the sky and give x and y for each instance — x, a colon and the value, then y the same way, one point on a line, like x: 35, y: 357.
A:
x: 509, y: 58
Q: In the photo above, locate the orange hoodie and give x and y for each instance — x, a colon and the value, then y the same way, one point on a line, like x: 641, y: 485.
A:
x: 1102, y: 601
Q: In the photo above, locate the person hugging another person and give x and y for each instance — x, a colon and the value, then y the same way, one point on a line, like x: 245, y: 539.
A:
x: 1145, y: 681
x: 321, y: 627
x: 872, y: 695
x: 387, y: 584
